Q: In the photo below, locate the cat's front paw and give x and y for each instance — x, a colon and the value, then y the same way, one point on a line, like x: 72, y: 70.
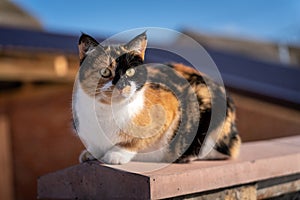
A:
x: 86, y: 156
x: 117, y: 156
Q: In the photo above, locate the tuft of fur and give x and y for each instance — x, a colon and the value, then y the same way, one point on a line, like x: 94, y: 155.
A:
x: 126, y: 110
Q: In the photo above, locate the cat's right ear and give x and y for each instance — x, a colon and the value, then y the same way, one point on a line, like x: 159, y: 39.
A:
x: 138, y: 44
x: 86, y: 43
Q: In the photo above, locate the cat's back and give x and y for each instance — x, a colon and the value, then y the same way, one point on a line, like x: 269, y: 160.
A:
x: 187, y: 82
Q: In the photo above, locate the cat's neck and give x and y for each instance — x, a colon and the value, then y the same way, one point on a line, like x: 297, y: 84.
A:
x: 118, y: 115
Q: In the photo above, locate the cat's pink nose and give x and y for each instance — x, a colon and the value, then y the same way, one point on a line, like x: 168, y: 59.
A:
x: 126, y: 89
x: 125, y: 92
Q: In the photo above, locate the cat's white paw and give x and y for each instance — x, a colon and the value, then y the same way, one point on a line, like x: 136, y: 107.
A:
x: 86, y: 156
x: 117, y: 156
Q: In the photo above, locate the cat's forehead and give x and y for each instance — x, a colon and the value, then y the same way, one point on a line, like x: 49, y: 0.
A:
x: 115, y: 51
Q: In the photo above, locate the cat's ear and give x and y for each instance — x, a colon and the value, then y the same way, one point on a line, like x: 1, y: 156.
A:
x: 138, y: 44
x: 86, y: 43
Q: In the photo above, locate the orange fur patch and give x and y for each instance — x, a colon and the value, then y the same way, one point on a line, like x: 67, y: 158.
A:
x: 235, y: 148
x: 152, y: 123
x: 226, y: 129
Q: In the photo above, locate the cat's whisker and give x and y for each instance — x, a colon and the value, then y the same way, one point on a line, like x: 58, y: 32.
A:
x: 103, y: 90
x: 100, y: 90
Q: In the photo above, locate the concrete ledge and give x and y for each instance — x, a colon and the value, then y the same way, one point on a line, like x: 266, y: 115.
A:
x: 259, y: 163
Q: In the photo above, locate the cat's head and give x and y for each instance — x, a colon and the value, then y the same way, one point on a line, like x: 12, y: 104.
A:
x: 113, y: 70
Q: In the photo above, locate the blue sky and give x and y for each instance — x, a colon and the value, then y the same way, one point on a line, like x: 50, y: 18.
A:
x: 277, y: 20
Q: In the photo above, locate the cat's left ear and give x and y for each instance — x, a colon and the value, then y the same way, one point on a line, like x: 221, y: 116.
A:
x: 85, y: 44
x: 138, y: 44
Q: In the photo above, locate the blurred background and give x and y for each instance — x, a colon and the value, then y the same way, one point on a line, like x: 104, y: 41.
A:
x: 255, y: 44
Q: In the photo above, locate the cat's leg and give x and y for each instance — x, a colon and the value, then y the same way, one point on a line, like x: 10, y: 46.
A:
x: 86, y: 156
x: 118, y: 155
x: 186, y: 159
x: 232, y: 148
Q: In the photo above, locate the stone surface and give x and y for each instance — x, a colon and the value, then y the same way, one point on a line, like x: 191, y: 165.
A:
x: 293, y: 140
x: 258, y: 161
x: 93, y: 181
x: 246, y: 192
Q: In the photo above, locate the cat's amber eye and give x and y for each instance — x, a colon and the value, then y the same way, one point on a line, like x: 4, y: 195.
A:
x: 130, y: 72
x: 105, y: 72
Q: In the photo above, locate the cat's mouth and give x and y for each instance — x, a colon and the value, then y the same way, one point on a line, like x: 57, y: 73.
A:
x: 124, y: 92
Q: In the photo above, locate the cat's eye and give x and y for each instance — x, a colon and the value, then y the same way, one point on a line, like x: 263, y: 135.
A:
x: 130, y: 72
x: 105, y: 72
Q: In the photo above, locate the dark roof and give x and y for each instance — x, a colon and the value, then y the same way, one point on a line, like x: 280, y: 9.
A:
x: 38, y: 40
x: 277, y: 82
x: 272, y: 80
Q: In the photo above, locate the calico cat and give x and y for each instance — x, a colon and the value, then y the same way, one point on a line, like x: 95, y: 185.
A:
x: 126, y: 110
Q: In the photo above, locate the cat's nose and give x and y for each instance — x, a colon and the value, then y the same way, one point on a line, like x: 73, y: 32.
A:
x: 121, y: 85
x: 125, y: 91
x: 122, y: 90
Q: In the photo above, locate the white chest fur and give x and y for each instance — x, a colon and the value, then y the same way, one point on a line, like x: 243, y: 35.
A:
x: 98, y: 123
